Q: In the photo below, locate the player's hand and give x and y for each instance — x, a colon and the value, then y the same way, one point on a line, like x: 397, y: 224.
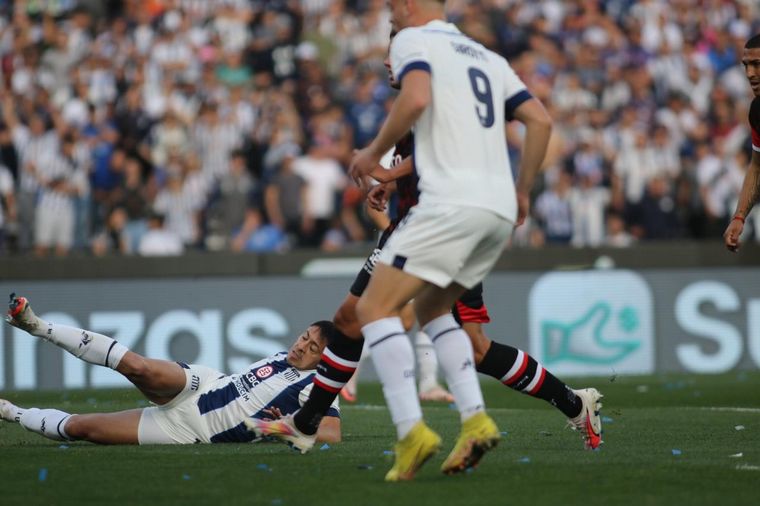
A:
x: 273, y: 413
x: 362, y: 164
x: 732, y: 234
x: 377, y: 198
x: 523, y: 207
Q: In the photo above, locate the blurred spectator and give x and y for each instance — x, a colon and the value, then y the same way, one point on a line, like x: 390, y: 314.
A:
x: 324, y: 178
x: 215, y: 140
x: 31, y: 143
x: 554, y: 211
x: 588, y: 202
x: 7, y: 207
x: 655, y: 217
x: 179, y: 204
x: 134, y: 200
x: 55, y: 220
x: 284, y: 199
x: 235, y: 193
x: 158, y: 241
x: 616, y: 235
x: 113, y: 239
x: 634, y: 167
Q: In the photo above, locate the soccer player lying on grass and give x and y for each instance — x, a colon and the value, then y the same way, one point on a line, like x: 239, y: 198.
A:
x: 194, y: 403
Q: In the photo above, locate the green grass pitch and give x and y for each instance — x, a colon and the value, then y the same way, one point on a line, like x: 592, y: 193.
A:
x: 668, y: 440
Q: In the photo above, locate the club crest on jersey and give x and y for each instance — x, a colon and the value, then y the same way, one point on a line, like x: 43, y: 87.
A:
x: 264, y: 372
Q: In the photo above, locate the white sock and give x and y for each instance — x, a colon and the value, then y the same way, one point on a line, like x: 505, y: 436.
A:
x: 427, y: 362
x: 393, y: 357
x: 458, y: 364
x: 46, y: 422
x: 89, y: 346
x: 10, y: 412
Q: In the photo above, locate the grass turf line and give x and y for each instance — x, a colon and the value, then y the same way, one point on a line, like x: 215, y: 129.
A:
x: 537, y: 462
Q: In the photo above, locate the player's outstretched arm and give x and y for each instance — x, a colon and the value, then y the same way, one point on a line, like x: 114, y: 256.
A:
x: 329, y: 430
x: 538, y: 129
x: 383, y: 175
x: 748, y: 197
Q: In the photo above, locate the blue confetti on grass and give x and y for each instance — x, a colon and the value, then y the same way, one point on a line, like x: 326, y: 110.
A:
x: 675, y: 452
x: 264, y: 467
x: 524, y: 460
x: 387, y: 452
x: 42, y: 476
x: 607, y: 419
x: 64, y: 447
x: 276, y: 502
x: 324, y: 447
x: 452, y: 406
x: 186, y: 477
x: 504, y: 433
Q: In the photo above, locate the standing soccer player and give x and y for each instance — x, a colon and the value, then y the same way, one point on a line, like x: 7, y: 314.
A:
x: 751, y: 187
x: 457, y: 95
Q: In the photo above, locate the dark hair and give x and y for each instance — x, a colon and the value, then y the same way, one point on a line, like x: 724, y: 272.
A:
x: 753, y: 43
x: 327, y: 330
x: 154, y: 215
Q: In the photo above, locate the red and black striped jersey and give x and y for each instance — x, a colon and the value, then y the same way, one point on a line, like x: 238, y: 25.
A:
x: 406, y: 187
x: 754, y: 123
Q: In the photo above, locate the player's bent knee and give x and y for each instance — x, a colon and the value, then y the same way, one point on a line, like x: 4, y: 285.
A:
x: 346, y: 321
x: 478, y: 354
x: 408, y: 317
x: 480, y: 343
x: 366, y: 312
x: 134, y: 366
x: 78, y: 427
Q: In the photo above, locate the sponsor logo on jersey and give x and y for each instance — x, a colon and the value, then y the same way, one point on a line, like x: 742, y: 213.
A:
x: 264, y: 372
x: 369, y: 265
x: 86, y: 339
x: 195, y: 382
x: 291, y: 374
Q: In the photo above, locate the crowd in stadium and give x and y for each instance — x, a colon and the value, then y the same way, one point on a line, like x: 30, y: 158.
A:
x: 161, y: 126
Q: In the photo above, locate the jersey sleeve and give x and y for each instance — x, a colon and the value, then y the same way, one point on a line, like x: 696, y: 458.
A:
x: 334, y: 409
x: 515, y: 91
x: 756, y: 140
x: 408, y: 52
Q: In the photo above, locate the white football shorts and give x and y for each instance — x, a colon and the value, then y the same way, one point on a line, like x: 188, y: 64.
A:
x: 179, y: 421
x: 442, y: 244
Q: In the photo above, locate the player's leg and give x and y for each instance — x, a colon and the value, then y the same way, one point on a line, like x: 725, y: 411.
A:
x: 379, y: 312
x: 427, y: 361
x: 518, y: 370
x: 479, y: 432
x: 427, y: 370
x: 158, y: 380
x: 345, y: 321
x: 105, y: 428
x: 521, y: 372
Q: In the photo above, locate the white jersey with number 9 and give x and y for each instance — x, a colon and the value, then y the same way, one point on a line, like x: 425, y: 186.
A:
x: 460, y: 150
